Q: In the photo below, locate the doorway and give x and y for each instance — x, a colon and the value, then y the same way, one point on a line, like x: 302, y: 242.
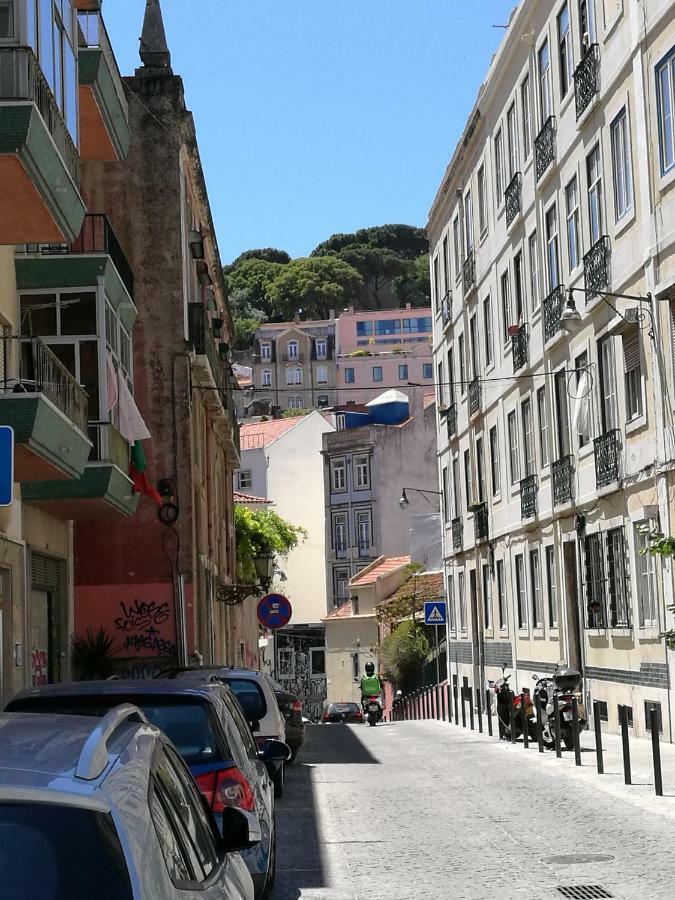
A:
x: 476, y: 629
x: 44, y: 649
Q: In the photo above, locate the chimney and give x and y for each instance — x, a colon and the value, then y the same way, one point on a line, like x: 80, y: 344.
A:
x: 154, y: 50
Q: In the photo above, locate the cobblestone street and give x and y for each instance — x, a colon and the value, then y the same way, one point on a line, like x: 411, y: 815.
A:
x: 427, y: 810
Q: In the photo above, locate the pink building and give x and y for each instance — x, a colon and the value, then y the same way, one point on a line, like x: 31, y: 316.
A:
x: 381, y: 349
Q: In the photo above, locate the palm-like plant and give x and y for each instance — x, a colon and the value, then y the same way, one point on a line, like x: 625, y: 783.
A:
x: 93, y: 654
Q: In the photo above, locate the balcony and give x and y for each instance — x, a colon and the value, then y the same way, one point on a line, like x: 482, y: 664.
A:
x: 606, y: 450
x: 47, y: 409
x: 596, y: 268
x: 104, y: 111
x: 553, y: 307
x: 298, y: 359
x: 586, y: 79
x: 457, y: 533
x: 365, y: 548
x: 104, y: 488
x: 528, y: 497
x: 520, y: 347
x: 451, y: 420
x: 474, y: 396
x: 39, y: 163
x: 544, y: 147
x: 446, y: 309
x: 469, y: 272
x: 212, y: 373
x: 480, y: 522
x: 512, y: 199
x: 561, y: 474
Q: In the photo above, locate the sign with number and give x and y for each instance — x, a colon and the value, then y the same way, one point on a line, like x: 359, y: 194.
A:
x: 6, y: 465
x: 434, y: 612
x: 274, y: 611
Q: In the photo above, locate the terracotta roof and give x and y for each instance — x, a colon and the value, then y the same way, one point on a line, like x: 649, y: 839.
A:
x: 423, y: 587
x: 429, y: 400
x: 250, y: 498
x: 342, y: 612
x: 379, y: 568
x: 257, y: 435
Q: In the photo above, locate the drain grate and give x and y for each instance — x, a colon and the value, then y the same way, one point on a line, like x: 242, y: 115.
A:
x: 583, y: 891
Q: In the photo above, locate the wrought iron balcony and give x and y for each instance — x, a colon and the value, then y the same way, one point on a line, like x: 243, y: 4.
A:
x: 586, y: 79
x: 451, y: 420
x: 553, y: 307
x: 528, y: 497
x: 519, y: 347
x: 446, y: 308
x: 480, y: 522
x: 474, y: 396
x: 606, y: 449
x: 512, y: 198
x: 561, y: 472
x: 544, y: 146
x: 469, y: 272
x: 457, y: 533
x: 596, y: 268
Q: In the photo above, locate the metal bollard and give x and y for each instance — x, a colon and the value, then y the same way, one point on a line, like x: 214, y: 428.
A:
x: 597, y: 725
x: 455, y: 698
x: 442, y: 690
x: 488, y: 710
x: 513, y: 718
x: 448, y: 701
x: 556, y: 717
x: 470, y: 699
x: 623, y: 719
x: 479, y: 711
x: 540, y: 729
x: 575, y: 731
x: 656, y: 752
x: 438, y: 702
x: 463, y: 708
x: 523, y: 720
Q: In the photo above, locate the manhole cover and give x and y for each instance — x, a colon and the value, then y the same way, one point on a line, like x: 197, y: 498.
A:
x: 577, y: 859
x: 583, y: 891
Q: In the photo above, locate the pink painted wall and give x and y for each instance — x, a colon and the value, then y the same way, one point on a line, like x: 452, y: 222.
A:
x: 347, y: 339
x: 365, y: 389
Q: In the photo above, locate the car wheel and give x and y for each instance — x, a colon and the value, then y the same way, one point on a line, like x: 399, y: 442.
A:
x: 278, y: 782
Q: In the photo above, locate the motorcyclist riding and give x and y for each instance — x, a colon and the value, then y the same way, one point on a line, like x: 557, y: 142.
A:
x: 371, y: 686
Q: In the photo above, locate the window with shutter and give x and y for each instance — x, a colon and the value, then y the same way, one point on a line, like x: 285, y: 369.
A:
x: 618, y: 579
x: 594, y: 572
x: 632, y: 372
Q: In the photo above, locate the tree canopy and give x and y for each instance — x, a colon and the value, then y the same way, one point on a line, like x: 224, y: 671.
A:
x: 259, y: 532
x: 313, y: 286
x: 268, y: 254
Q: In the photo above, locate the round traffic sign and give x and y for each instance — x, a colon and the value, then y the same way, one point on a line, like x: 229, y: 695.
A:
x: 274, y: 611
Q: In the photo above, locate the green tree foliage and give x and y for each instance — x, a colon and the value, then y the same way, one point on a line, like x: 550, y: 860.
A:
x: 269, y: 254
x: 248, y: 286
x: 665, y: 548
x: 262, y: 531
x: 313, y: 287
x: 402, y: 654
x: 414, y: 285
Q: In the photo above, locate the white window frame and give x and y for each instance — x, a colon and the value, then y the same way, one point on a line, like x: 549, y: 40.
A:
x: 537, y: 606
x: 266, y: 351
x: 364, y: 531
x: 499, y: 167
x: 645, y: 578
x: 452, y: 610
x: 244, y: 480
x: 552, y: 246
x: 545, y: 86
x: 542, y: 416
x: 361, y: 471
x: 338, y: 482
x: 622, y: 166
x: 321, y: 348
x: 486, y: 591
x: 487, y: 331
x: 468, y: 222
x: 551, y: 586
x: 501, y: 596
x: 522, y: 607
x: 455, y: 248
x: 572, y: 214
x: 266, y: 378
x: 533, y: 260
x: 341, y: 526
x: 594, y: 177
x: 322, y: 374
x: 666, y: 111
x: 565, y: 51
x: 514, y: 449
x: 462, y: 603
x: 526, y: 116
x: 505, y: 292
x: 482, y: 201
x: 292, y: 350
x: 495, y: 467
x: 512, y: 141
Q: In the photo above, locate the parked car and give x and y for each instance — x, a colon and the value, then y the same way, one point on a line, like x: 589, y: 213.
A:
x: 291, y: 710
x: 107, y: 808
x: 341, y: 712
x: 255, y: 692
x: 207, y: 725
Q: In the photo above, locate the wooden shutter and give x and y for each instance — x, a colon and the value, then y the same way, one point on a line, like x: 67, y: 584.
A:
x: 631, y: 348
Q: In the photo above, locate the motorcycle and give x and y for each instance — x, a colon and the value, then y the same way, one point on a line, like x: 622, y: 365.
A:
x: 565, y: 684
x: 373, y: 709
x: 506, y: 700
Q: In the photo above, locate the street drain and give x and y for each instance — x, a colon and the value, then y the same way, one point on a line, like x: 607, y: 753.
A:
x: 577, y: 859
x: 583, y: 891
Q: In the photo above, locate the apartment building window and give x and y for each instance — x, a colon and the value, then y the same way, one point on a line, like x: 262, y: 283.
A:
x: 607, y: 383
x: 338, y: 475
x: 437, y: 286
x: 519, y: 287
x: 377, y: 373
x: 487, y: 598
x: 361, y: 464
x: 296, y: 402
x: 495, y: 472
x: 551, y: 587
x: 452, y: 613
x: 526, y: 116
x: 535, y: 589
x: 289, y: 376
x: 473, y: 340
x: 266, y: 378
x: 514, y: 451
x: 545, y: 98
x: 440, y: 386
x: 528, y: 437
x: 542, y: 417
x: 595, y: 582
x: 501, y: 595
x: 521, y: 597
x: 572, y: 211
x: 456, y: 488
x: 552, y: 250
x: 562, y: 432
x: 451, y: 374
x: 427, y: 370
x: 387, y: 326
x: 455, y: 248
x: 482, y: 201
x: 468, y: 222
x: 322, y: 375
x: 468, y: 481
x: 298, y: 376
x: 594, y: 174
x: 462, y: 364
x: 364, y: 329
x: 644, y: 568
x: 533, y: 254
x: 499, y: 168
x: 480, y: 470
x: 665, y: 91
x: 565, y: 50
x: 446, y: 498
x: 581, y: 368
x: 621, y: 162
x: 618, y: 575
x: 7, y: 20
x: 244, y: 480
x: 321, y: 348
x: 340, y: 422
x: 341, y: 585
x: 402, y: 373
x: 632, y: 372
x: 292, y: 349
x: 266, y: 351
x: 364, y: 531
x: 462, y: 603
x: 340, y: 532
x: 512, y: 139
x: 446, y: 265
x: 349, y: 376
x: 487, y: 331
x: 586, y: 25
x: 506, y: 306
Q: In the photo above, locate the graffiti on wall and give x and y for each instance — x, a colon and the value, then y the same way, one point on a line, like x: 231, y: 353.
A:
x: 300, y: 670
x: 39, y: 665
x: 141, y: 624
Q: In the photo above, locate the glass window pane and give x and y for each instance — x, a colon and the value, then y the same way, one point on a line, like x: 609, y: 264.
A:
x: 70, y: 80
x: 46, y: 41
x: 78, y: 313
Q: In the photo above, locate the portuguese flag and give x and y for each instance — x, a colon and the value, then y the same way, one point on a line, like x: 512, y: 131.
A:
x: 137, y: 473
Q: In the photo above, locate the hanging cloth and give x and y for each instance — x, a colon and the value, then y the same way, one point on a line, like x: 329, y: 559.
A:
x: 581, y: 421
x: 112, y: 390
x: 132, y: 426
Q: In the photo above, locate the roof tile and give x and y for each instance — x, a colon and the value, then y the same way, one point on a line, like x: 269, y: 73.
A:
x: 258, y: 435
x: 385, y: 567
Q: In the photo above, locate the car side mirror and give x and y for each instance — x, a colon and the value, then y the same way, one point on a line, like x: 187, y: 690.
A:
x: 235, y: 832
x: 275, y: 751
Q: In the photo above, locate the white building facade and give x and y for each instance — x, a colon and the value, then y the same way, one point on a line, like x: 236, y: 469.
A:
x: 555, y: 423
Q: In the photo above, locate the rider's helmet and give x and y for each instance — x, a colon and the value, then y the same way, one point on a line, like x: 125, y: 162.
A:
x: 370, y: 669
x: 399, y: 693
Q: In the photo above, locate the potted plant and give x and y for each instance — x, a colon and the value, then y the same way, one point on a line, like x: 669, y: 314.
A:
x: 512, y: 330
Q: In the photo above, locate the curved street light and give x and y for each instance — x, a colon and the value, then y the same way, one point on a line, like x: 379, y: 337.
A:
x: 404, y: 503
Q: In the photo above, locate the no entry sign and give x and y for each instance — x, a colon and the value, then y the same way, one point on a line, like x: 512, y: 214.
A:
x: 274, y: 611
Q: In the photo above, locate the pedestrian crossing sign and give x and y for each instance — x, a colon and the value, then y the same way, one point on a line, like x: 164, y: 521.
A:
x: 434, y: 612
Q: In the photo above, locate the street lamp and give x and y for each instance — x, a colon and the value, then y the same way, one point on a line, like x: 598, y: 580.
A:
x: 264, y: 569
x: 643, y: 317
x: 404, y: 503
x: 234, y: 594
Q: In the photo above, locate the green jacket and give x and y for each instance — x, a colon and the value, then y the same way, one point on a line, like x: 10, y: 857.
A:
x: 370, y: 685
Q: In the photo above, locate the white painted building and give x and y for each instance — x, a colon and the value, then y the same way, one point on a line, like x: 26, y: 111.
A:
x: 556, y: 441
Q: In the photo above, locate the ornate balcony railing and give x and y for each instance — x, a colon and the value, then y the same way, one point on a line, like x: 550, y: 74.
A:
x: 469, y: 272
x: 519, y: 347
x: 512, y: 198
x: 606, y: 449
x: 561, y: 471
x: 446, y: 308
x: 586, y: 79
x: 480, y: 522
x: 451, y: 420
x: 544, y: 146
x: 596, y: 268
x: 553, y: 307
x: 528, y: 497
x: 457, y: 533
x: 474, y: 396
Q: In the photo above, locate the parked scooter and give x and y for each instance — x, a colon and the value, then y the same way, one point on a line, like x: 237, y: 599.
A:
x: 372, y: 707
x: 507, y: 699
x: 565, y: 683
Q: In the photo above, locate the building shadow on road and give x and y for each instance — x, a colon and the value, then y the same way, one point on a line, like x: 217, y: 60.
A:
x: 337, y: 744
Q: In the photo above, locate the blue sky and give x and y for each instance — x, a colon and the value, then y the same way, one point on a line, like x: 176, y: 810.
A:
x: 317, y: 116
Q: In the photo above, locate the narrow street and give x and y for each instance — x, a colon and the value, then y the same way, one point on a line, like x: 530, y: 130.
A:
x: 427, y: 811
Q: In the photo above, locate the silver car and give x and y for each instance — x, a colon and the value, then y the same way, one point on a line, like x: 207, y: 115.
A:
x: 106, y: 808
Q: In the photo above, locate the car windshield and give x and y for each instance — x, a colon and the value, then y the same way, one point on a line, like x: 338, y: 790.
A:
x: 185, y: 721
x: 60, y: 853
x: 250, y: 696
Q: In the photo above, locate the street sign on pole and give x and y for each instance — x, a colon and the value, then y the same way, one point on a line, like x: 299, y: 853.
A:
x: 274, y: 611
x: 6, y: 465
x: 435, y: 612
